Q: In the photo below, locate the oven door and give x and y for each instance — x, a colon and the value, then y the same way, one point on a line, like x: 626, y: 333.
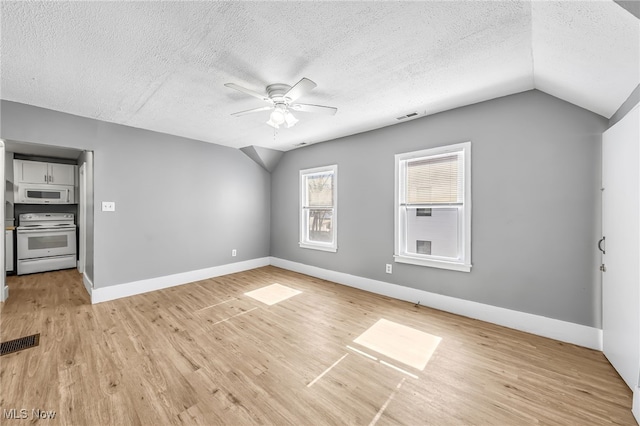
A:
x: 35, y: 243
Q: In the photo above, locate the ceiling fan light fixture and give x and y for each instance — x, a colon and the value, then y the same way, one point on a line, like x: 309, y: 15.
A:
x: 278, y: 115
x: 290, y: 119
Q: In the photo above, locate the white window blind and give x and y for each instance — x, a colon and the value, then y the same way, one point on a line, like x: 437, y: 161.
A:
x: 435, y: 181
x: 320, y: 190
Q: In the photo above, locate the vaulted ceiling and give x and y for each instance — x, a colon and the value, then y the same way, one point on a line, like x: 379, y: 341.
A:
x: 162, y: 66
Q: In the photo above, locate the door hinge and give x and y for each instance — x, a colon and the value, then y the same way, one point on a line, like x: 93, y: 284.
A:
x: 603, y: 268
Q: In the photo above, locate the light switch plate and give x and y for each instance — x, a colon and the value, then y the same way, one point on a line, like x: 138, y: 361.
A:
x: 108, y: 206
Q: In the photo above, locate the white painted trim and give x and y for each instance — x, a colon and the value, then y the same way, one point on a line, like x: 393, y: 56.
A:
x: 3, y: 277
x: 82, y: 218
x: 88, y: 284
x: 319, y: 246
x: 564, y: 331
x: 104, y: 294
x: 636, y: 404
x: 452, y: 266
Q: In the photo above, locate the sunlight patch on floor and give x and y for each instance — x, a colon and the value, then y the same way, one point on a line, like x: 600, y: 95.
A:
x: 222, y: 312
x: 272, y: 294
x: 404, y: 344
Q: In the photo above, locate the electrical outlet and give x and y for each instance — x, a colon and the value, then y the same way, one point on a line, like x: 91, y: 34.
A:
x: 233, y: 252
x: 389, y: 268
x: 108, y: 206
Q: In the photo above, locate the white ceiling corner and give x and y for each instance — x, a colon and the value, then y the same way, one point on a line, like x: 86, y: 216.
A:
x: 587, y: 53
x: 162, y: 66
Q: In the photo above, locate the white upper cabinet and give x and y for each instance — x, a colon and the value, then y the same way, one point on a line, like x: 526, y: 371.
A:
x: 30, y: 171
x: 45, y: 173
x: 62, y: 174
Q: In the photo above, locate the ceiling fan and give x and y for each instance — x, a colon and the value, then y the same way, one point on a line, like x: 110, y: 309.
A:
x: 281, y: 99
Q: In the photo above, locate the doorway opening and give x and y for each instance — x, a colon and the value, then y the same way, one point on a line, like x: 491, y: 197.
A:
x: 64, y: 189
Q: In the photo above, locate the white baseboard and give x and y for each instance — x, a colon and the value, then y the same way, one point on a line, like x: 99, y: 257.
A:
x: 636, y: 404
x: 5, y: 293
x: 564, y: 331
x: 87, y: 283
x: 104, y: 294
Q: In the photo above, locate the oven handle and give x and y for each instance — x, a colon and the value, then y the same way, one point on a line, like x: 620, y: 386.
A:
x: 44, y: 231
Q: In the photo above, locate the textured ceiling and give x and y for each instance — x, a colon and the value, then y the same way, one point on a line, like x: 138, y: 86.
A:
x: 163, y: 65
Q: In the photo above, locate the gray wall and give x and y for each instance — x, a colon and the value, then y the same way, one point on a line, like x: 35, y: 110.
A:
x: 181, y: 205
x: 627, y: 106
x: 632, y: 6
x: 535, y: 196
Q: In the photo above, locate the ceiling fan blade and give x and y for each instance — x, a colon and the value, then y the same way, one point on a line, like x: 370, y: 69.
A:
x: 249, y: 111
x: 314, y: 108
x: 303, y: 86
x: 248, y: 91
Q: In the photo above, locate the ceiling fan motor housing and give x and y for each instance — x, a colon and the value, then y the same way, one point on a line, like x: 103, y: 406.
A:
x: 277, y: 91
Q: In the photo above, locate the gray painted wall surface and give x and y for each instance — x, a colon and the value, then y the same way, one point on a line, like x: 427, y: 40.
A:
x: 632, y: 6
x: 627, y: 106
x: 181, y: 205
x: 535, y: 196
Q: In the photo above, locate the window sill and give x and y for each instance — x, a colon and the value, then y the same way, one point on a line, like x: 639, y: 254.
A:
x: 331, y: 249
x: 433, y: 263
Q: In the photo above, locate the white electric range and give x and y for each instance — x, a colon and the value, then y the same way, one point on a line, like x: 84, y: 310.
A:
x: 45, y: 242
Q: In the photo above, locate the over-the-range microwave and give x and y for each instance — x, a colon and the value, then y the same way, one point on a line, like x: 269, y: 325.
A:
x: 34, y: 193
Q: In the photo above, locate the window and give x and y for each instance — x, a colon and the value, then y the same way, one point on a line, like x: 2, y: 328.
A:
x: 318, y: 208
x: 433, y: 207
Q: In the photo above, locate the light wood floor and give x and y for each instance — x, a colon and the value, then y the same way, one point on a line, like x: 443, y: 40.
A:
x: 182, y: 356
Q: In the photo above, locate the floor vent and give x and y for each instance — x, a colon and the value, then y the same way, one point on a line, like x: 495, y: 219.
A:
x: 22, y: 343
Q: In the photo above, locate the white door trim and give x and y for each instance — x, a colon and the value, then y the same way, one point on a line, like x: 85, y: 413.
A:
x: 82, y: 218
x: 621, y: 227
x: 4, y: 290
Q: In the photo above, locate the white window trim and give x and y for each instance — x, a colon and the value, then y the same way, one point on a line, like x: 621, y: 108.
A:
x: 330, y: 247
x: 465, y: 233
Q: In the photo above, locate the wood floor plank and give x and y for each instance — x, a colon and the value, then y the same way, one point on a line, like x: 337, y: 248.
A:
x: 206, y: 354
